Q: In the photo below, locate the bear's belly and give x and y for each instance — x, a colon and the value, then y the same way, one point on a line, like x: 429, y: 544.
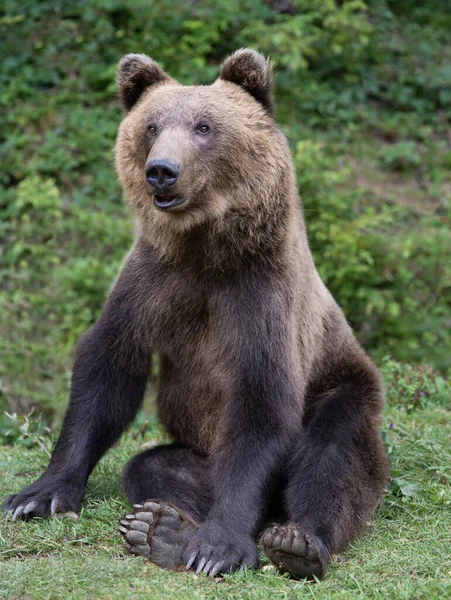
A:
x: 190, y: 402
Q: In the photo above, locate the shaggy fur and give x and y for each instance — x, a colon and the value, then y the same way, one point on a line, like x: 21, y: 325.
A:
x: 273, y: 404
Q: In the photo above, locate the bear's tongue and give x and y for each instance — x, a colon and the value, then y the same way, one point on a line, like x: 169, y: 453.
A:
x: 165, y: 201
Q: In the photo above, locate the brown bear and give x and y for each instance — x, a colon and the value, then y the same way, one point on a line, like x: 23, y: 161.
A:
x: 273, y: 406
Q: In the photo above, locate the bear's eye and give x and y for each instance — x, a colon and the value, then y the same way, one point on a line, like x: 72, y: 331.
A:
x: 204, y: 129
x: 152, y: 130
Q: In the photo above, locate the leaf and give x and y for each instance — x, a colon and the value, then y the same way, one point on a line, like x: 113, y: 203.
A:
x: 407, y: 489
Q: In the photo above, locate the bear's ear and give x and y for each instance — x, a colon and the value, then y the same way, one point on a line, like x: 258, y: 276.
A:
x: 135, y: 73
x: 251, y: 71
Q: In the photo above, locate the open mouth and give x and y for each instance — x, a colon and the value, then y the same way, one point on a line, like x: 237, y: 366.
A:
x: 167, y: 201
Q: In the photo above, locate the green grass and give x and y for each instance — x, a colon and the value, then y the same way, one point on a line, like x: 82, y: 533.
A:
x: 405, y: 552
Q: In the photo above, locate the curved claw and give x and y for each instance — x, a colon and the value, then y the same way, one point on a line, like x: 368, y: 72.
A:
x: 18, y: 512
x: 53, y: 506
x: 201, y: 565
x: 30, y: 507
x: 208, y: 567
x: 216, y: 568
x: 191, y: 560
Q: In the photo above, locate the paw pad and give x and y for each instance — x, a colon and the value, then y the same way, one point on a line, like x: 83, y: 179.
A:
x: 157, y: 531
x: 291, y: 550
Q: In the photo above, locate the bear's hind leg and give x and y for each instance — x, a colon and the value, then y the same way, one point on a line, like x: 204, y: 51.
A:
x: 173, y: 474
x: 171, y: 490
x: 336, y: 477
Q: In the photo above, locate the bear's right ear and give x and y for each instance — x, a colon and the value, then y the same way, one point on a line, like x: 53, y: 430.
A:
x: 135, y: 73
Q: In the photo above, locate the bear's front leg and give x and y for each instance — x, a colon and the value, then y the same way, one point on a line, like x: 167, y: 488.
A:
x: 226, y: 540
x: 108, y: 385
x: 259, y: 420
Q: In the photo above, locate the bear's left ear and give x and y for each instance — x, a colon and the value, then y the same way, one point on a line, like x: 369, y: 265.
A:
x: 135, y: 73
x: 252, y: 72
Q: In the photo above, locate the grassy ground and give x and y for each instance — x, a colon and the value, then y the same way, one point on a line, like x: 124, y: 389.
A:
x: 405, y: 553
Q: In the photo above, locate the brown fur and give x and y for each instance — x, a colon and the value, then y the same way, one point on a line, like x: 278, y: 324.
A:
x: 243, y: 203
x: 244, y: 206
x: 261, y: 378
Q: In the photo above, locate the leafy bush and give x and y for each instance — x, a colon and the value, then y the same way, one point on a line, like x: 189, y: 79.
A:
x: 387, y: 278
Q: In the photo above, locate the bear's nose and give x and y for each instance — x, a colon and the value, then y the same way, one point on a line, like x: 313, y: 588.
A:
x: 162, y: 174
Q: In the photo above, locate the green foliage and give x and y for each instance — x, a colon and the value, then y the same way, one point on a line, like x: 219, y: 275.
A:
x: 332, y: 39
x: 26, y: 430
x: 393, y: 282
x: 414, y: 388
x: 51, y: 290
x: 364, y: 95
x: 401, y: 156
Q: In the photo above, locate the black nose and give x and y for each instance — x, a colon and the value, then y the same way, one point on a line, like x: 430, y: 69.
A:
x: 162, y: 174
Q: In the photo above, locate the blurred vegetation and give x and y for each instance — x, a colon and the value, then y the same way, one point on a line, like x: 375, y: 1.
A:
x: 364, y: 96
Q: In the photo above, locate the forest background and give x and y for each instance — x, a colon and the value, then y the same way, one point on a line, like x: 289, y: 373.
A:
x: 363, y: 93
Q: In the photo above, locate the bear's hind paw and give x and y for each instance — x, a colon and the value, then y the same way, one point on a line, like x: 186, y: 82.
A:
x: 293, y: 551
x: 157, y: 531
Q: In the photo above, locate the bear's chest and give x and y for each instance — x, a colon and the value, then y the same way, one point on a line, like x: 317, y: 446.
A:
x: 179, y: 321
x: 191, y: 390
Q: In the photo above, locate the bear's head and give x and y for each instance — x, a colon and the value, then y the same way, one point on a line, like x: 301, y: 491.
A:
x: 202, y: 157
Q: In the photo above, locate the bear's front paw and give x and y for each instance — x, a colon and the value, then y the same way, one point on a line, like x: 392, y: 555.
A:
x: 213, y: 549
x: 45, y: 497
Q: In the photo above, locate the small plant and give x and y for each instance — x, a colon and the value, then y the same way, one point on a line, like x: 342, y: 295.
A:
x: 28, y: 430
